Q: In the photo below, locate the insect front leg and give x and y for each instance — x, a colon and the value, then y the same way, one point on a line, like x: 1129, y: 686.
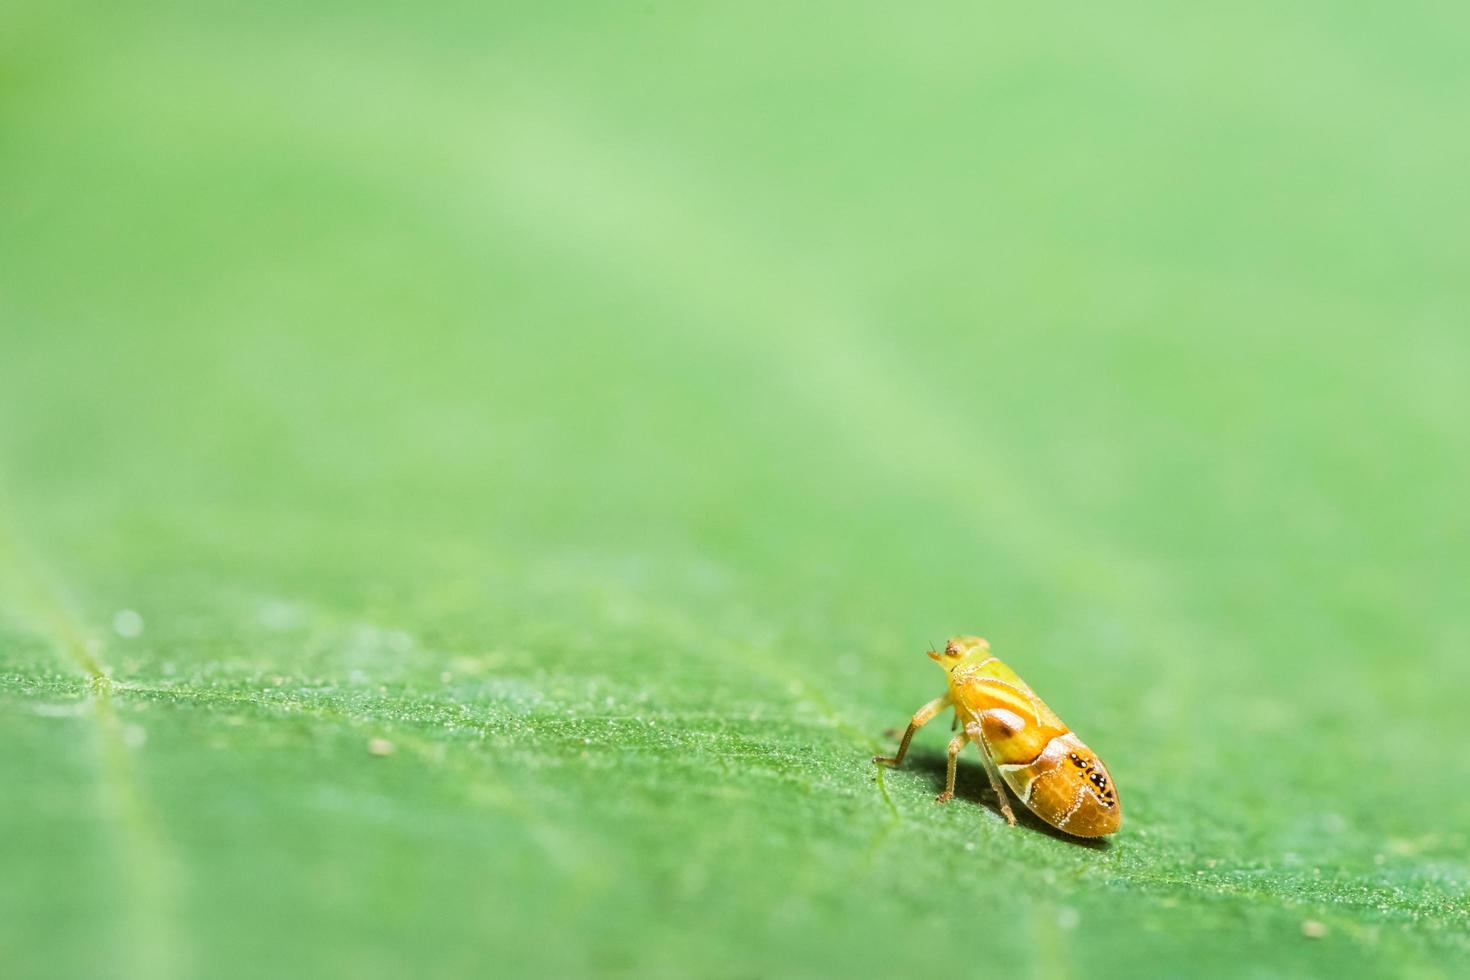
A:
x: 996, y: 783
x: 921, y: 718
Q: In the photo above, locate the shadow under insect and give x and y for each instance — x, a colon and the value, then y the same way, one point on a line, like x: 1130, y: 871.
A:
x: 972, y: 787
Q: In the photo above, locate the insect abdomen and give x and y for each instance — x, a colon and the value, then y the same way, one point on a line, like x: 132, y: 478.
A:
x: 1067, y: 786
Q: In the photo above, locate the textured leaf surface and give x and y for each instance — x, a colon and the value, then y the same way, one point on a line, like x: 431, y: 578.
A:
x: 478, y: 483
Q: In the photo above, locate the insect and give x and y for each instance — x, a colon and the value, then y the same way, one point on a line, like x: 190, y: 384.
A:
x: 1022, y: 743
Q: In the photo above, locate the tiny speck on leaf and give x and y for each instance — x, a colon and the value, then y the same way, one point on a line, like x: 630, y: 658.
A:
x: 1313, y: 929
x: 380, y: 746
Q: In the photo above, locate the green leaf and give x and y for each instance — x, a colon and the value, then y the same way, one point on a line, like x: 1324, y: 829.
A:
x: 477, y: 484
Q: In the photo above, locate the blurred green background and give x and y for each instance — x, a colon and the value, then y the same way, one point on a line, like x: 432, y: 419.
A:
x: 509, y: 460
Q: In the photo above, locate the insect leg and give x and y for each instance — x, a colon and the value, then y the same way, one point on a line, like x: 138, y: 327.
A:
x: 921, y: 718
x: 956, y: 745
x: 997, y: 784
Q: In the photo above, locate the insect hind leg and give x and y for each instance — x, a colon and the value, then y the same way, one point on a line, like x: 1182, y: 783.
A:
x: 997, y: 784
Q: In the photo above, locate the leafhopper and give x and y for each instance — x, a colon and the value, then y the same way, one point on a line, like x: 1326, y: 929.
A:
x: 1023, y: 744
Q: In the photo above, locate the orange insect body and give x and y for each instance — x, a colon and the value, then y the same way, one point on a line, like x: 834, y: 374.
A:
x: 1022, y: 742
